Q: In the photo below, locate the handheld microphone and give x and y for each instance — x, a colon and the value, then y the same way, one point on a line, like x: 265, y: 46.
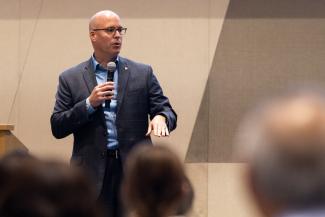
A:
x: 111, y: 67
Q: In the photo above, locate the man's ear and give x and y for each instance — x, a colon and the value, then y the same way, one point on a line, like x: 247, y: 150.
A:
x: 92, y: 36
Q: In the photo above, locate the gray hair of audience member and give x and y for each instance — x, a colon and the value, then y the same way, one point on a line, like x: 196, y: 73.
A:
x: 30, y: 187
x: 283, y: 142
x: 154, y: 182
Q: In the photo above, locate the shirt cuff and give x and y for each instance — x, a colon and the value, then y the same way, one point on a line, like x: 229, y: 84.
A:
x: 90, y: 109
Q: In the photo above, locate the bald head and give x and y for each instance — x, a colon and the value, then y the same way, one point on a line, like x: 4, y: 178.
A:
x: 105, y: 33
x: 297, y: 126
x: 284, y: 145
x: 96, y: 20
x: 293, y: 124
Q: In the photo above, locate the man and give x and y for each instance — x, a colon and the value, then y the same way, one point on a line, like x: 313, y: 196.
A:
x: 284, y: 146
x: 105, y: 134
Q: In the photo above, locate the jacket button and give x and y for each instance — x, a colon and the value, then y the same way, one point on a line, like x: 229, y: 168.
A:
x: 102, y: 154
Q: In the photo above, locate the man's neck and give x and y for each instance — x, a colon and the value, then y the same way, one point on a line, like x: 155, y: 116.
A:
x: 103, y: 60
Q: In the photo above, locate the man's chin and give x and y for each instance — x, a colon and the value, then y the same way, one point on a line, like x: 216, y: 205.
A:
x: 116, y: 51
x: 114, y: 54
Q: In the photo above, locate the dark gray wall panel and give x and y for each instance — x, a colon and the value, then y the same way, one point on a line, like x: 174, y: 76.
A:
x: 199, y: 143
x: 264, y: 47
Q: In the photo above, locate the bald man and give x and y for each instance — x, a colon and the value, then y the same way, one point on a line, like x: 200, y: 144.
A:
x: 109, y: 118
x: 283, y: 144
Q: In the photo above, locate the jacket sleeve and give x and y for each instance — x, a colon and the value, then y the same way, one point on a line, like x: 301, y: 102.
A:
x: 68, y: 116
x: 159, y: 103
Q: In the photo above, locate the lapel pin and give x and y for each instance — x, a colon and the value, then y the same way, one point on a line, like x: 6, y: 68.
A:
x: 126, y: 68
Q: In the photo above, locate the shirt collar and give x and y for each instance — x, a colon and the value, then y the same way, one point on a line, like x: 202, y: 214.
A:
x: 97, y: 66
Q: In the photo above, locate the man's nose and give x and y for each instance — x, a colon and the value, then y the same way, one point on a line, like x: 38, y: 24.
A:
x: 117, y: 34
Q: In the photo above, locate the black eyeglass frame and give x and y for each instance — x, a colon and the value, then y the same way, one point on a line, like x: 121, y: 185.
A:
x: 112, y: 30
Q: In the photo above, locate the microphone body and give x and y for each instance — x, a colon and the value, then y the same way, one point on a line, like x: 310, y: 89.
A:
x: 111, y: 67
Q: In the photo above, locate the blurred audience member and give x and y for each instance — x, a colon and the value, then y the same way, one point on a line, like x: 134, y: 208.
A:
x: 283, y: 143
x: 35, y: 188
x: 188, y: 197
x: 155, y: 184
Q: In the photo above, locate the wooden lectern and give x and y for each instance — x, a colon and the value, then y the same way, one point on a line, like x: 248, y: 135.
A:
x: 8, y: 141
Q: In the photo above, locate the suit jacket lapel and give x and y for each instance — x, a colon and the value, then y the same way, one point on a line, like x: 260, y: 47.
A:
x: 91, y: 82
x: 123, y: 77
x: 89, y: 76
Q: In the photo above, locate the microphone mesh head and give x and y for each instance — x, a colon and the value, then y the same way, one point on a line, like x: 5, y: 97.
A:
x: 111, y: 66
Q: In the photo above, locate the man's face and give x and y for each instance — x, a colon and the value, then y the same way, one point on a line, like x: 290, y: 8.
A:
x: 106, y: 42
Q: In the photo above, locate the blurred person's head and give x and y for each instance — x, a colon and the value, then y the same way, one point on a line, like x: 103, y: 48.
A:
x: 283, y: 143
x: 37, y: 188
x: 155, y: 184
x: 188, y: 197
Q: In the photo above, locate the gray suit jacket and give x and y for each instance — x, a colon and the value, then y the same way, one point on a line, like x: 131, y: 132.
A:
x: 139, y: 96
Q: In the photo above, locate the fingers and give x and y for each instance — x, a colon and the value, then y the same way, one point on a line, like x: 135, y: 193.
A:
x: 101, y: 93
x: 158, y: 126
x: 109, y: 83
x: 105, y: 87
x: 160, y: 130
x: 149, y: 130
x: 107, y: 94
x: 156, y: 130
x: 103, y: 90
x: 165, y: 131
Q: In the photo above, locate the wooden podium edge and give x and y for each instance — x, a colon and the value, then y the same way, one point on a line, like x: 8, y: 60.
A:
x: 9, y: 127
x: 8, y: 141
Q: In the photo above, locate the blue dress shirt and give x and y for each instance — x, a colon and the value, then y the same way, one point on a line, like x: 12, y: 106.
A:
x: 110, y: 113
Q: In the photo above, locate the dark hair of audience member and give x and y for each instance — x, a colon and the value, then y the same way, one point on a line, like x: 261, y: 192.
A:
x: 153, y: 183
x: 30, y: 187
x: 187, y: 199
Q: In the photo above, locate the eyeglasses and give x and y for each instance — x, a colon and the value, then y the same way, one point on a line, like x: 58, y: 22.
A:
x: 112, y: 30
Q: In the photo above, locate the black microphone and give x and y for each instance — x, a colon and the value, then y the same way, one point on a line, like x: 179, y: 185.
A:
x: 111, y: 66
